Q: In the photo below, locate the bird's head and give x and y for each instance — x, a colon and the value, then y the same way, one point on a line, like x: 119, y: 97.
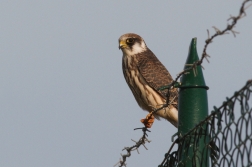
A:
x: 132, y: 44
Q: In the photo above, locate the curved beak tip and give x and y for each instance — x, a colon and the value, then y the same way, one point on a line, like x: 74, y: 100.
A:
x: 121, y: 45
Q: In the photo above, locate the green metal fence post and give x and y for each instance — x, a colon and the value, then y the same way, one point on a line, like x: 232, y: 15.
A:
x: 193, y: 108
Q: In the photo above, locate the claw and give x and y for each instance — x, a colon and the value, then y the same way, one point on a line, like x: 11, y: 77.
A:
x: 148, y: 121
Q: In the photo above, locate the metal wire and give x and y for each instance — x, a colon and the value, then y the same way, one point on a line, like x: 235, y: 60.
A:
x: 172, y: 157
x: 227, y: 138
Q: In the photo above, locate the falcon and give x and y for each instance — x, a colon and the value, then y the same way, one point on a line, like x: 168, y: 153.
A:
x: 144, y: 74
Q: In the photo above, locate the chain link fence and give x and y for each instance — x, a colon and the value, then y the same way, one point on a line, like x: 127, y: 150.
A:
x: 227, y: 138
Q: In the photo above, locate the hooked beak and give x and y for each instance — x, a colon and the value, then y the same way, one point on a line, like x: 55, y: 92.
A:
x: 122, y: 45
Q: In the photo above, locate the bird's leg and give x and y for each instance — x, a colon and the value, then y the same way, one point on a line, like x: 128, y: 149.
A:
x: 148, y: 120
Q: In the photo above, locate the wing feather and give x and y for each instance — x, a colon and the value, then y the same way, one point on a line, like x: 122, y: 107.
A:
x: 155, y: 74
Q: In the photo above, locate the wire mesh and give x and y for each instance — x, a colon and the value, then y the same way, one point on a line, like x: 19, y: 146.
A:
x: 171, y: 159
x: 227, y: 139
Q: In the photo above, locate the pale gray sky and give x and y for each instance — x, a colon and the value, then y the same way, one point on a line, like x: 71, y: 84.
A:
x: 64, y: 101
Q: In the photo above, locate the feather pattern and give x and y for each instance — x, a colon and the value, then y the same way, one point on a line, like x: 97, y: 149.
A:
x: 144, y: 74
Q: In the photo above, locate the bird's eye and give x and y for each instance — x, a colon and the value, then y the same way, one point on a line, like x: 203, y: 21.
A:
x: 130, y: 40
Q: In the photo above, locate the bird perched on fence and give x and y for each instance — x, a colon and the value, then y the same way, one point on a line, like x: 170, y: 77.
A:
x: 144, y: 74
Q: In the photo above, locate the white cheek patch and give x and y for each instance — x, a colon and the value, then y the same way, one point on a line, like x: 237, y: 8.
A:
x: 143, y: 45
x: 136, y: 48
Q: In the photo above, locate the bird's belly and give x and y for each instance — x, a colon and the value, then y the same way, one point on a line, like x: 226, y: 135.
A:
x: 147, y: 98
